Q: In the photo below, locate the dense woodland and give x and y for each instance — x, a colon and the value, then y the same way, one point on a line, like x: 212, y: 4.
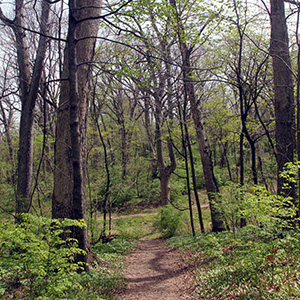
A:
x: 120, y: 106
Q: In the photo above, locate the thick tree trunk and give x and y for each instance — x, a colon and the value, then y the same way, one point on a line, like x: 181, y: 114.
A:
x: 164, y: 186
x: 62, y: 202
x: 69, y: 198
x: 283, y: 93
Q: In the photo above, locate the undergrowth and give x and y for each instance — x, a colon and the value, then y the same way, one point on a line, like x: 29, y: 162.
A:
x: 258, y: 261
x: 35, y: 263
x: 247, y: 264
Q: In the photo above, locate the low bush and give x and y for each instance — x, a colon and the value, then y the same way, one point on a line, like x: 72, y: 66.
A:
x: 169, y: 221
x: 256, y: 205
x: 35, y: 263
x: 34, y: 259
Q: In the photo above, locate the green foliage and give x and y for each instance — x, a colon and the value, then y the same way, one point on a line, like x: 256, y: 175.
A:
x: 291, y: 173
x: 259, y: 261
x: 101, y: 282
x: 149, y: 190
x: 255, y: 204
x: 272, y: 212
x: 169, y: 221
x: 6, y: 194
x: 230, y: 204
x: 177, y: 190
x: 37, y: 264
x: 98, y: 284
x: 33, y: 256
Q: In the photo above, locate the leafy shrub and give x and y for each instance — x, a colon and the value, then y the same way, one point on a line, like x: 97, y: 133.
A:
x: 255, y: 204
x: 231, y: 204
x: 264, y: 209
x: 35, y: 259
x: 7, y: 193
x: 149, y: 190
x: 35, y: 263
x: 169, y: 221
x: 290, y: 173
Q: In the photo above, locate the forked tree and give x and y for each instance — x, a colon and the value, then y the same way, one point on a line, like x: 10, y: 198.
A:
x: 29, y: 81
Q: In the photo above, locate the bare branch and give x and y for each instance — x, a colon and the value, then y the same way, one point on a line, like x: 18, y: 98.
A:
x: 292, y: 2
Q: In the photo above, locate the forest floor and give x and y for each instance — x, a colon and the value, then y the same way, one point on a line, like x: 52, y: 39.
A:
x: 155, y: 271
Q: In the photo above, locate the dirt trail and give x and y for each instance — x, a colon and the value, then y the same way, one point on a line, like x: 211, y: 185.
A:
x: 155, y: 272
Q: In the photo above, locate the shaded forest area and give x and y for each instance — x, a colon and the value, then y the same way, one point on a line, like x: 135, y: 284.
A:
x: 120, y: 106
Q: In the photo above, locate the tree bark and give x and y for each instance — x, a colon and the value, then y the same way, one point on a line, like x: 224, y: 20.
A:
x: 165, y: 171
x: 184, y: 138
x: 29, y: 81
x: 69, y: 199
x: 283, y: 93
x: 194, y: 178
x: 205, y: 153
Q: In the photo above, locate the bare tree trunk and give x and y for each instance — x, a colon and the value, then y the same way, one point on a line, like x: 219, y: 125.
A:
x: 298, y: 109
x: 189, y: 153
x: 124, y: 148
x: 185, y: 155
x: 198, y: 204
x: 69, y: 198
x: 29, y: 85
x: 210, y: 180
x: 283, y: 93
x: 185, y: 141
x: 165, y: 171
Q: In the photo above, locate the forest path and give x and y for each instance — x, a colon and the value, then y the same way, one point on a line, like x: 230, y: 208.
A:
x: 154, y: 271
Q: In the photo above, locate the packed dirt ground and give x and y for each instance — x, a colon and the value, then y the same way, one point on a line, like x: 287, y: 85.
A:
x: 154, y: 271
